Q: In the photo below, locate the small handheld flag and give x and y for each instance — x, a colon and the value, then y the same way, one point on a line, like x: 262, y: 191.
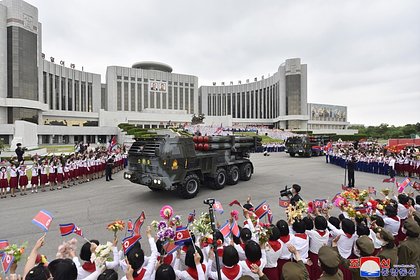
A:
x: 270, y: 216
x: 129, y: 242
x: 225, y: 229
x: 6, y: 262
x: 217, y: 206
x: 320, y: 203
x: 182, y: 235
x: 235, y: 202
x: 3, y: 244
x: 335, y: 197
x: 403, y: 185
x: 388, y: 180
x: 138, y: 223
x: 43, y: 219
x: 66, y: 229
x: 262, y: 209
x: 170, y: 247
x: 191, y: 217
x: 234, y: 228
x: 284, y: 203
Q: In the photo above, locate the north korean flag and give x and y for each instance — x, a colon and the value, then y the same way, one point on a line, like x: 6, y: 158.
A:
x: 3, y: 244
x: 320, y: 203
x: 6, y: 262
x: 262, y: 209
x: 66, y: 229
x: 170, y: 247
x: 182, y: 234
x: 225, y: 229
x: 235, y: 202
x: 191, y: 217
x: 43, y: 219
x: 138, y: 223
x: 284, y: 203
x: 217, y: 206
x: 129, y: 242
x: 234, y: 228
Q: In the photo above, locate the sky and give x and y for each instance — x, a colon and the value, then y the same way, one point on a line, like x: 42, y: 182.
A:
x: 361, y: 54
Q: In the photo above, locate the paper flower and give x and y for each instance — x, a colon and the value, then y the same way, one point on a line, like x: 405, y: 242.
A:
x: 116, y: 226
x: 102, y: 253
x: 65, y: 249
x: 234, y: 214
x: 166, y: 212
x: 15, y: 251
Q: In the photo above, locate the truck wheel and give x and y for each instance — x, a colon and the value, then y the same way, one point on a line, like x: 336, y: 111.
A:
x: 219, y: 180
x: 245, y: 172
x: 233, y: 175
x: 292, y: 154
x: 189, y: 187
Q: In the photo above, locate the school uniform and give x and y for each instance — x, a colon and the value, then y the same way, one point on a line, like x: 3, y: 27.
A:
x: 43, y: 177
x: 273, y: 252
x: 35, y: 175
x: 285, y: 255
x: 60, y: 174
x: 317, y: 239
x: 23, y: 178
x: 51, y: 174
x: 246, y: 265
x: 199, y: 273
x: 226, y: 272
x: 4, y: 183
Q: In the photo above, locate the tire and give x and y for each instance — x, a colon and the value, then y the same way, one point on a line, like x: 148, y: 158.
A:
x: 189, y: 187
x: 245, y: 171
x: 292, y: 154
x: 220, y: 179
x: 233, y: 175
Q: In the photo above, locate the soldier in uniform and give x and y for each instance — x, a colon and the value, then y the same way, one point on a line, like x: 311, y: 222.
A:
x: 409, y: 249
x: 329, y: 259
x: 388, y: 250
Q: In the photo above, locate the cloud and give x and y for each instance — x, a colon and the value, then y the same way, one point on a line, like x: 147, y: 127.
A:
x: 363, y: 54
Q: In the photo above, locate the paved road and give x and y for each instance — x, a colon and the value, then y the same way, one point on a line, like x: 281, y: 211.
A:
x: 93, y: 205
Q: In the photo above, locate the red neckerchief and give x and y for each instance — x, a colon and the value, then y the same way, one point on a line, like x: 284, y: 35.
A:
x: 89, y: 267
x: 348, y: 235
x: 321, y: 232
x: 167, y: 259
x: 285, y: 239
x: 184, y: 248
x: 301, y: 235
x: 140, y: 274
x: 220, y: 251
x: 275, y: 245
x: 193, y: 271
x: 242, y: 245
x: 231, y: 272
x: 406, y: 205
x: 395, y: 218
x: 248, y: 263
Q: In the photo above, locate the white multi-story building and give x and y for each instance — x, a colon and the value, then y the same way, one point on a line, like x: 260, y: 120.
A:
x: 69, y: 105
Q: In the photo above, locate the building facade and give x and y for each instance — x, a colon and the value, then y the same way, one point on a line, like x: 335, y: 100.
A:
x: 70, y: 105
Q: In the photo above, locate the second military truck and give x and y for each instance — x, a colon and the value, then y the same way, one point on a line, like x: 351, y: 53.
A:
x: 305, y: 146
x: 169, y: 161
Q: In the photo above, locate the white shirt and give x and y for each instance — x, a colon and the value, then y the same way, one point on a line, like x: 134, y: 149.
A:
x: 272, y: 256
x: 391, y: 225
x: 285, y: 253
x: 247, y: 271
x: 316, y: 241
x: 213, y: 274
x: 344, y: 244
x: 302, y: 246
x: 184, y: 275
x: 82, y: 274
x: 402, y: 211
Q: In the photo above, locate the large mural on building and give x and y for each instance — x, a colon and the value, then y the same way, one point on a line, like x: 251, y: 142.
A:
x: 323, y: 112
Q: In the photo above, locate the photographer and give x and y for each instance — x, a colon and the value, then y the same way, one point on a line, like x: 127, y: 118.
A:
x: 19, y: 152
x: 292, y: 193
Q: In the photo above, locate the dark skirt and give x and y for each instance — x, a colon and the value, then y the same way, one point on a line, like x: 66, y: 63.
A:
x: 314, y: 270
x: 34, y: 180
x: 3, y: 183
x: 13, y: 183
x: 23, y: 180
x: 280, y: 263
x: 271, y: 273
x: 43, y: 179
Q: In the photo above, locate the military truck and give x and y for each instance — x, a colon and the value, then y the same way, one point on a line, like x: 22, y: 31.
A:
x: 168, y: 161
x: 303, y: 146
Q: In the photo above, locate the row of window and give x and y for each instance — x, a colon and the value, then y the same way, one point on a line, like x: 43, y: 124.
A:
x: 136, y: 97
x: 326, y: 126
x: 125, y: 78
x: 67, y: 94
x: 259, y: 104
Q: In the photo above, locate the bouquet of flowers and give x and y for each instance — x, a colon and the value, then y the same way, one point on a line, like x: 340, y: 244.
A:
x: 116, y: 226
x: 296, y: 212
x: 166, y: 212
x: 264, y: 231
x: 349, y: 195
x: 164, y: 231
x: 362, y: 196
x: 102, y: 253
x: 202, y: 225
x: 385, y: 192
x: 66, y: 248
x: 16, y: 251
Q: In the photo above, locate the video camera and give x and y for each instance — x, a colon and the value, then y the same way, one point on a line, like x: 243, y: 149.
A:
x: 286, y: 192
x: 209, y: 201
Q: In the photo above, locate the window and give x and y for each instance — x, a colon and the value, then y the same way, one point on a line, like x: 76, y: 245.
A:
x: 187, y: 101
x: 119, y: 96
x: 175, y: 83
x: 175, y: 98
x: 57, y: 93
x: 214, y: 105
x: 126, y: 96
x: 252, y: 104
x: 181, y: 84
x: 146, y: 95
x: 118, y: 77
x: 138, y: 79
x: 169, y: 97
x: 191, y: 100
x: 158, y: 100
x: 260, y: 105
x: 243, y: 105
x: 76, y: 96
x: 90, y: 98
x: 181, y: 98
x: 104, y: 100
x: 164, y: 96
x: 152, y: 99
x: 83, y: 99
x: 233, y: 105
x: 249, y: 108
x: 125, y: 78
x: 133, y: 96
x: 139, y: 99
x: 228, y: 104
x: 44, y: 86
x: 209, y: 104
x: 238, y: 105
x: 219, y: 104
x: 63, y: 94
x: 133, y: 79
x: 70, y: 94
x: 145, y: 80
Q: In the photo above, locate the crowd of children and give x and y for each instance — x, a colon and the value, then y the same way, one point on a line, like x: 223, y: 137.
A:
x: 312, y: 246
x: 56, y: 172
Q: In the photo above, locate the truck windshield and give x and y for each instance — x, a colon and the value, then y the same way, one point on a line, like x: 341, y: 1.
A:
x: 294, y: 141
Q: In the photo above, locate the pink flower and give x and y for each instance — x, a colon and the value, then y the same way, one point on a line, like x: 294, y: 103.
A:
x: 166, y: 212
x: 234, y: 214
